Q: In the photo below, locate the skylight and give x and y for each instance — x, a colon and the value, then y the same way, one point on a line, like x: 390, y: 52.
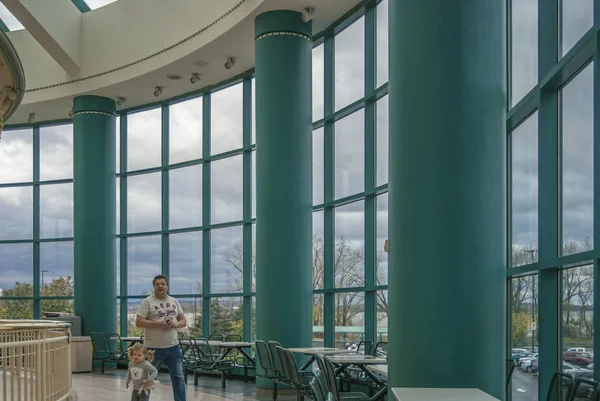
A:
x: 94, y: 4
x: 9, y: 20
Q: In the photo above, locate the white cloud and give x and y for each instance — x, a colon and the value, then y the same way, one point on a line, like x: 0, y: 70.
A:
x: 144, y: 202
x: 349, y: 64
x: 185, y: 262
x: 227, y: 190
x: 524, y: 47
x: 185, y: 192
x: 318, y: 84
x: 578, y: 17
x: 185, y: 197
x: 223, y: 275
x: 16, y: 156
x: 226, y: 119
x: 318, y: 166
x: 56, y: 152
x: 382, y: 139
x: 56, y: 210
x: 144, y: 139
x: 382, y: 42
x: 144, y: 262
x: 16, y: 213
x: 349, y: 155
x: 16, y: 264
x: 56, y: 258
x: 185, y: 130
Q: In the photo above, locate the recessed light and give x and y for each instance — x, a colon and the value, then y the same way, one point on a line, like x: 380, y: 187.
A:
x: 174, y: 77
x: 200, y: 63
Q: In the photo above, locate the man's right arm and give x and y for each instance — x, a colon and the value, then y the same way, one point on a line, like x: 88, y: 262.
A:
x: 144, y: 323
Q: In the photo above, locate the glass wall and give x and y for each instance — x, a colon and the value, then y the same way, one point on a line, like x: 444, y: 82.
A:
x: 186, y: 204
x: 188, y: 208
x: 350, y: 158
x: 36, y: 216
x: 553, y: 61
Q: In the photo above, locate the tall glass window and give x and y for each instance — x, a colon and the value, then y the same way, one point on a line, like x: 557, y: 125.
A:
x: 56, y: 152
x: 16, y: 156
x: 349, y: 155
x: 226, y: 119
x: 578, y: 163
x: 525, y: 192
x: 144, y: 139
x: 185, y: 131
x: 524, y: 45
x: 349, y: 71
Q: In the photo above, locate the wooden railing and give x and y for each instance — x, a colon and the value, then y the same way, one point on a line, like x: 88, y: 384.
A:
x: 35, y: 361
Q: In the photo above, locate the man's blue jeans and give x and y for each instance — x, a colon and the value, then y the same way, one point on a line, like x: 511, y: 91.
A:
x: 173, y: 358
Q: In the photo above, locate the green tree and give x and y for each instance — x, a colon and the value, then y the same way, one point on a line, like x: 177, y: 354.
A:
x: 520, y: 327
x: 23, y: 309
x: 17, y: 309
x: 221, y: 318
x: 59, y: 287
x: 196, y: 328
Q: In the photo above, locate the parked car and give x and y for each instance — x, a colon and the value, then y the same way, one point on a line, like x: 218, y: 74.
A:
x: 534, y: 366
x: 516, y: 357
x: 578, y: 358
x: 568, y: 368
x: 526, y: 362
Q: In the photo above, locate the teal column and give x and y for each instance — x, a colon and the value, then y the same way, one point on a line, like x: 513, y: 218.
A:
x: 447, y: 194
x: 283, y: 179
x: 94, y: 212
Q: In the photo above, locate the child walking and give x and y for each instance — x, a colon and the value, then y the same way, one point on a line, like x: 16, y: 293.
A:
x: 140, y: 371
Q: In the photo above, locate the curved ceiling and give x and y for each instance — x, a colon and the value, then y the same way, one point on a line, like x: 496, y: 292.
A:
x: 129, y: 47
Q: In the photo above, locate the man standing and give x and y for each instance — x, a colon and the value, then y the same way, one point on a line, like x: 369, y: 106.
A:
x: 161, y: 315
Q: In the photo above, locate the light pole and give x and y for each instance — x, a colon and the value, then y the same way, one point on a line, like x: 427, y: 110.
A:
x: 43, y: 271
x: 194, y: 292
x: 532, y: 254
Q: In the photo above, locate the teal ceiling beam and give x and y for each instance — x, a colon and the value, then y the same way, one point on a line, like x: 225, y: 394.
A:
x: 81, y: 5
x: 3, y: 26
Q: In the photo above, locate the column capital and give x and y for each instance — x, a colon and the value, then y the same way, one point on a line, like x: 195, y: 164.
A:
x: 282, y: 22
x: 92, y: 104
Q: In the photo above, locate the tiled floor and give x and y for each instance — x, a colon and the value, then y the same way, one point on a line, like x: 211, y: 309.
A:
x: 111, y: 387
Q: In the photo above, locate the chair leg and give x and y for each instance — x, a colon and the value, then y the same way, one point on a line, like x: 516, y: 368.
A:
x: 223, y: 379
x: 195, y: 378
x: 245, y: 374
x: 102, y: 367
x: 274, y: 391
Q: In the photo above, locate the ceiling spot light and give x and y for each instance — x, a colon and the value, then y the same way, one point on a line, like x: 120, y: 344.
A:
x: 174, y: 77
x: 31, y: 118
x: 308, y: 14
x: 158, y: 91
x: 229, y: 63
x: 71, y: 113
x: 121, y: 101
x: 195, y: 78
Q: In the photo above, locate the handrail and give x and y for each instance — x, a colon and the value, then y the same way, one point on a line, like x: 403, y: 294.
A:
x: 35, y: 360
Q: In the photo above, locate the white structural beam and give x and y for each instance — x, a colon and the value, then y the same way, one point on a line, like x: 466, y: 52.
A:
x: 55, y: 25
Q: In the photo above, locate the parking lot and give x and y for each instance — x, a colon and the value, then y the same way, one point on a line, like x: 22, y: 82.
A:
x: 524, y: 386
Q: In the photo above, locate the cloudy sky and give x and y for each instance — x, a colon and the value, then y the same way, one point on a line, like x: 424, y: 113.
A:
x: 576, y: 124
x: 185, y: 183
x: 185, y: 143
